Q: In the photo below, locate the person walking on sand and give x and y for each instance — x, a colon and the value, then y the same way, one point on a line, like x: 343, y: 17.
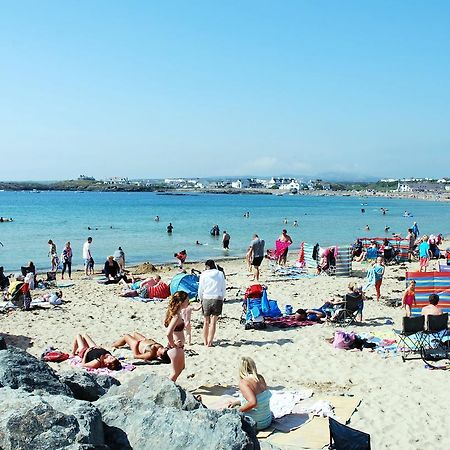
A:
x: 211, y: 292
x: 87, y: 255
x: 286, y: 239
x: 256, y: 254
x: 52, y: 253
x: 226, y: 240
x: 66, y: 258
x: 378, y: 270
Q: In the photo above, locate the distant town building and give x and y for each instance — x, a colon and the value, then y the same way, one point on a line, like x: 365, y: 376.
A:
x: 243, y: 183
x: 85, y: 178
x: 424, y: 185
x: 116, y: 180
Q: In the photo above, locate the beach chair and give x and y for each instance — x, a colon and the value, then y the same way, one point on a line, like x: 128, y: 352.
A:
x: 347, y: 315
x: 343, y: 437
x: 410, y: 338
x: 436, y: 342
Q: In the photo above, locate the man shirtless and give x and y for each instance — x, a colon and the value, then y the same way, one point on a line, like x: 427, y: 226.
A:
x: 284, y: 237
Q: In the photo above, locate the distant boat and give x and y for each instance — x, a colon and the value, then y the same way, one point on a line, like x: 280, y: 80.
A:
x: 35, y: 191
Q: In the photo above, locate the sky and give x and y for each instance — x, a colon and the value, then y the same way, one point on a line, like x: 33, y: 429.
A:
x: 232, y: 88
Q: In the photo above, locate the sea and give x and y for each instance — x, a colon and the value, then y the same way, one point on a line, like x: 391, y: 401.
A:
x: 115, y: 219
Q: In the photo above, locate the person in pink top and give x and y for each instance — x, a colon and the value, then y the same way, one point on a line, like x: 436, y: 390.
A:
x: 409, y: 298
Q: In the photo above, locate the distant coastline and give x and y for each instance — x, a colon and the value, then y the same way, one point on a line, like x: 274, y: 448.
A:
x: 89, y: 186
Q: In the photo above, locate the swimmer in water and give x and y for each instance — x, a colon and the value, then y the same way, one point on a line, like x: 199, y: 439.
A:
x: 386, y: 228
x: 367, y: 228
x: 363, y: 210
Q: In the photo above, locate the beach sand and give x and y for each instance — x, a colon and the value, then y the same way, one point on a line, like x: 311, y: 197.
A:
x: 404, y: 405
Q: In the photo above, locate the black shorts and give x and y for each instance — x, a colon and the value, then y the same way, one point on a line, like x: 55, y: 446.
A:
x: 257, y: 261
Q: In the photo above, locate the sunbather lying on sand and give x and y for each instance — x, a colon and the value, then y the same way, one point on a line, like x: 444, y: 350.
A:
x: 150, y: 350
x: 93, y: 356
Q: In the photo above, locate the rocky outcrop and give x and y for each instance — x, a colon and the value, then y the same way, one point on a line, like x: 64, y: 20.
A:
x: 85, y: 386
x: 19, y: 369
x: 41, y: 410
x: 42, y: 422
x: 152, y: 409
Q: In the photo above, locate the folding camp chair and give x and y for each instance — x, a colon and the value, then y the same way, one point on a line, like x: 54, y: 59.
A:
x: 347, y: 315
x: 343, y: 437
x: 436, y: 329
x: 410, y: 338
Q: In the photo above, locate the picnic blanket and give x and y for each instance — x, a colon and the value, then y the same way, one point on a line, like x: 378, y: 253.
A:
x: 297, y: 429
x: 126, y: 367
x: 288, y: 322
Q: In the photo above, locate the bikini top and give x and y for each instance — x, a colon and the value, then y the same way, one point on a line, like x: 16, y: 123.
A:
x: 179, y: 327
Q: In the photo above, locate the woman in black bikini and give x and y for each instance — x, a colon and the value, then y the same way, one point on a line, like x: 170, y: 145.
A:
x: 174, y: 321
x: 143, y: 348
x: 174, y: 324
x: 93, y: 356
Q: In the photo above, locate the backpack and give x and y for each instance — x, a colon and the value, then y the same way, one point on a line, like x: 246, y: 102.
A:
x: 254, y: 291
x: 343, y: 340
x: 55, y: 356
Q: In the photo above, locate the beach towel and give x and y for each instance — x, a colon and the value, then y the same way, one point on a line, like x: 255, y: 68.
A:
x: 126, y: 367
x: 288, y: 322
x: 370, y: 279
x: 281, y: 247
x: 283, y: 402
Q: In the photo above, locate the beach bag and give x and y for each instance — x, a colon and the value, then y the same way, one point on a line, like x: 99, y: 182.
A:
x: 274, y: 310
x: 254, y: 291
x: 343, y: 340
x: 54, y: 356
x: 265, y: 307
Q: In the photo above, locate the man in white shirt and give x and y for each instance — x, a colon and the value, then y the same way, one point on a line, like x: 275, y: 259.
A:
x: 211, y: 291
x: 87, y: 255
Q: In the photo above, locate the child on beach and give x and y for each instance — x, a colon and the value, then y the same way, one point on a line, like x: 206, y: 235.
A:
x: 186, y: 314
x: 181, y: 256
x: 378, y: 269
x: 424, y: 254
x: 409, y: 298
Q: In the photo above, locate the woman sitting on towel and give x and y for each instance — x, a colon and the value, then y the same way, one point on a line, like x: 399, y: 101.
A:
x: 254, y: 396
x: 93, y: 356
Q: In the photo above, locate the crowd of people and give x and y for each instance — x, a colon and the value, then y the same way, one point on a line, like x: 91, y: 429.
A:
x: 255, y: 396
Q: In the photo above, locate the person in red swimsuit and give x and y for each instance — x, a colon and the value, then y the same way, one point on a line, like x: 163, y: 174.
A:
x: 409, y: 298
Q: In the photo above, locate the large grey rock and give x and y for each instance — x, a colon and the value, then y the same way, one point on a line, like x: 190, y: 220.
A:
x: 19, y: 369
x: 86, y: 386
x: 152, y: 412
x: 35, y: 422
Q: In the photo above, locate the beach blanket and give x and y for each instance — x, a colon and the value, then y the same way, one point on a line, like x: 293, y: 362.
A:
x: 314, y: 433
x: 288, y: 322
x: 126, y: 367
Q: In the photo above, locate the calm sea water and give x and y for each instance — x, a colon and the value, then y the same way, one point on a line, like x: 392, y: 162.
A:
x: 127, y: 219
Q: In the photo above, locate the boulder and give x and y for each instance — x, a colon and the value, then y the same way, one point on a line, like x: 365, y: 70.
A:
x: 19, y: 369
x: 86, y: 386
x: 42, y: 422
x: 150, y: 411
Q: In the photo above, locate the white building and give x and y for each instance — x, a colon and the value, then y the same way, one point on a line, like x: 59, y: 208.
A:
x: 291, y: 185
x: 243, y: 183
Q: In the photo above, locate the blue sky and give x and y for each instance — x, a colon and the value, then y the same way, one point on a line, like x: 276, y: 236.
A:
x: 205, y: 88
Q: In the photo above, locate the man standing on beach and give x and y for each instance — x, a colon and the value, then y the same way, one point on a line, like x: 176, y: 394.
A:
x: 287, y: 241
x: 87, y: 255
x: 226, y: 240
x: 256, y: 254
x: 211, y: 292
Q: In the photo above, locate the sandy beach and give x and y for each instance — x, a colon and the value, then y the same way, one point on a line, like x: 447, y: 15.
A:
x: 403, y: 406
